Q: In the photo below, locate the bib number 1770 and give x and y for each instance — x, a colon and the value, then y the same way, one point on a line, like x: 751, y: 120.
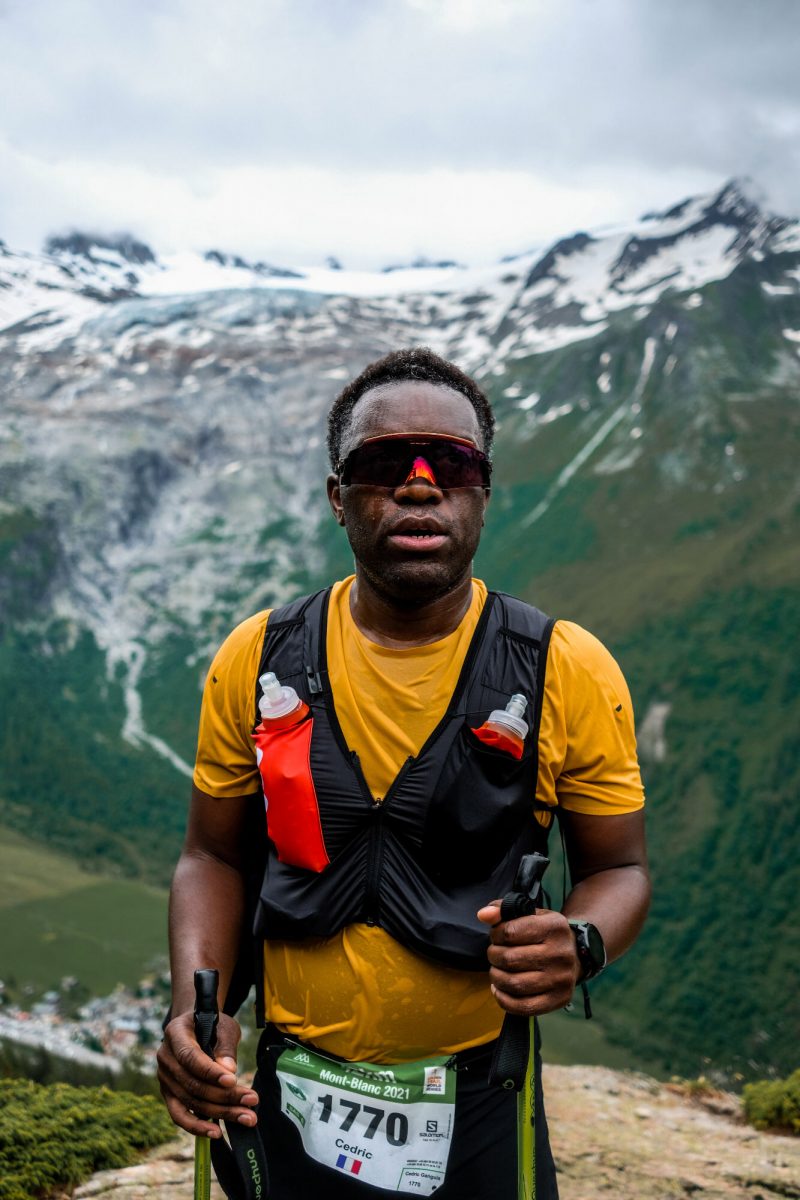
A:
x: 395, y: 1129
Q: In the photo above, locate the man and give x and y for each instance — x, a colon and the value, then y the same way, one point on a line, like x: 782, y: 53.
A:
x: 376, y: 944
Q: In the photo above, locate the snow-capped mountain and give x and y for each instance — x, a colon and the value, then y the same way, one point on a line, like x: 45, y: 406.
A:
x: 534, y: 302
x: 155, y: 403
x: 165, y: 398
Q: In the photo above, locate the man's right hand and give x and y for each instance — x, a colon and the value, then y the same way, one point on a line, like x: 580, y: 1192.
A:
x: 195, y: 1086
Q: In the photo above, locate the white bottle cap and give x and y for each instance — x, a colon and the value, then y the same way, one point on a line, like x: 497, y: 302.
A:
x: 511, y: 715
x: 277, y: 700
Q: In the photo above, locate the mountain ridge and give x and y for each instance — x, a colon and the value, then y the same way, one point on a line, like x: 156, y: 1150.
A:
x: 103, y: 266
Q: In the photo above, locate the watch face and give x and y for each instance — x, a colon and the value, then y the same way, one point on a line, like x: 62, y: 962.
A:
x: 596, y: 947
x: 590, y: 946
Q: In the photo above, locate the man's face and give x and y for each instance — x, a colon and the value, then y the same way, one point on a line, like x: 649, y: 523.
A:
x: 414, y: 542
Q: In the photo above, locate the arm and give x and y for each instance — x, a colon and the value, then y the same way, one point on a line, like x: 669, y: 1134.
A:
x: 206, y: 911
x: 534, y: 965
x: 611, y: 881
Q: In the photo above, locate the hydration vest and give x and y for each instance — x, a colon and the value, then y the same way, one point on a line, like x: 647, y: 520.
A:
x: 447, y: 836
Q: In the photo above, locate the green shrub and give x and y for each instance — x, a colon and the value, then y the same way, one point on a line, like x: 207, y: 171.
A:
x: 774, y: 1103
x: 694, y: 1089
x: 55, y: 1137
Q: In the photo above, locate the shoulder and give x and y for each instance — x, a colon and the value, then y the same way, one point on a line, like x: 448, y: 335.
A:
x: 305, y: 607
x: 585, y: 685
x: 582, y: 677
x: 242, y: 645
x: 225, y: 763
x: 243, y: 635
x: 576, y: 653
x: 590, y: 720
x: 519, y: 618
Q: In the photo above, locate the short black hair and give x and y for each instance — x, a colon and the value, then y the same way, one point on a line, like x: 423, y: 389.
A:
x: 418, y: 363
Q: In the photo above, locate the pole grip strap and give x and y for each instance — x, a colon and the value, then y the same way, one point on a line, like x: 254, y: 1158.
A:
x: 510, y: 1058
x: 241, y: 1166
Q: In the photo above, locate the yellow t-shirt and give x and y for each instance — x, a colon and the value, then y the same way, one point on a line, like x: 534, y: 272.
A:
x: 360, y: 994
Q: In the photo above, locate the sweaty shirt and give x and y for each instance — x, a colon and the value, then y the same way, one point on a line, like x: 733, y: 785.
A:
x: 360, y: 994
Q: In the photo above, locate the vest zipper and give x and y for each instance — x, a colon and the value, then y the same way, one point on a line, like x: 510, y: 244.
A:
x: 376, y: 838
x: 372, y: 901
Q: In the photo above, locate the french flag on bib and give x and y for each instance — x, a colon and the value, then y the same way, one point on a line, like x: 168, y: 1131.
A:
x: 353, y: 1165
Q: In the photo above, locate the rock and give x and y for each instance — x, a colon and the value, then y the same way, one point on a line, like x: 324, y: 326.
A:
x: 166, y: 1173
x: 607, y: 1143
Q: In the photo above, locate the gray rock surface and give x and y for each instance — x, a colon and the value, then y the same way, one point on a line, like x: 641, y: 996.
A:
x: 615, y: 1135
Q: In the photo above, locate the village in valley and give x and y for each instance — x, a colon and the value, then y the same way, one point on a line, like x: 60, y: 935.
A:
x: 106, y: 1033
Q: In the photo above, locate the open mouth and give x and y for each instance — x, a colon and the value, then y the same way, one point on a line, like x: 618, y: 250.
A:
x: 418, y: 539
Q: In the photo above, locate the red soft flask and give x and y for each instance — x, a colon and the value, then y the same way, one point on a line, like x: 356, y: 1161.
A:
x: 283, y: 754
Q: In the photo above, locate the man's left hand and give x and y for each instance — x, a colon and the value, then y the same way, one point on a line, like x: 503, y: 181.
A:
x: 534, y: 962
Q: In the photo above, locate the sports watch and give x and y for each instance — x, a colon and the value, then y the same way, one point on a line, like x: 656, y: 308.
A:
x: 590, y: 947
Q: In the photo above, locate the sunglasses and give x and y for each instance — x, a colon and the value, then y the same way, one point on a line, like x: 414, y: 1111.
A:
x: 397, y: 458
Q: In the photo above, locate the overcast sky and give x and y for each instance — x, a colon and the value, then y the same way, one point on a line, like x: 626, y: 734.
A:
x: 379, y: 130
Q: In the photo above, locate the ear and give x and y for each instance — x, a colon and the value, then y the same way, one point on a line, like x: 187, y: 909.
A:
x: 335, y: 498
x: 487, y: 495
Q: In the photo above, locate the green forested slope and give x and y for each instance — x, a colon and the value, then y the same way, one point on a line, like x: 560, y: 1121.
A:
x: 69, y: 778
x: 712, y: 978
x: 57, y: 920
x: 685, y: 563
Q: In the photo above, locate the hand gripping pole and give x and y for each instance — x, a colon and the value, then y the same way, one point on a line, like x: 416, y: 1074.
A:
x: 206, y: 1019
x: 241, y: 1166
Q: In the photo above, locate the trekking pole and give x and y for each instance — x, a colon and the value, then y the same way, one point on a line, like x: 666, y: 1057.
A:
x: 514, y: 1061
x: 206, y: 1019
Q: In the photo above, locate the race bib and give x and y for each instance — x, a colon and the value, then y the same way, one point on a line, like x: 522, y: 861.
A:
x: 388, y: 1126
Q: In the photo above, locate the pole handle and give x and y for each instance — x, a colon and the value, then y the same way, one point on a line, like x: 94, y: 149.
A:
x: 206, y: 1010
x: 527, y: 888
x: 512, y: 1053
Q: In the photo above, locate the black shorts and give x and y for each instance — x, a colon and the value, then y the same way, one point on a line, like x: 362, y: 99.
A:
x: 483, y: 1155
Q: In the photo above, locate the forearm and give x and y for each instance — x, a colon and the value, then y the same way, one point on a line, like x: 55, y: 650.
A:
x: 616, y: 900
x: 206, y: 911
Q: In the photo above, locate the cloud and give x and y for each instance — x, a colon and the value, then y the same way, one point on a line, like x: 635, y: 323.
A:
x: 300, y: 215
x: 197, y: 98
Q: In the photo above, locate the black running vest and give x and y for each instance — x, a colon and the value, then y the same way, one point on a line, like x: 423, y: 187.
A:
x: 449, y: 834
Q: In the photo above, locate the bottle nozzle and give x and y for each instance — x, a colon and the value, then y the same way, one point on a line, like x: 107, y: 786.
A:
x: 277, y: 699
x: 270, y: 686
x: 511, y: 717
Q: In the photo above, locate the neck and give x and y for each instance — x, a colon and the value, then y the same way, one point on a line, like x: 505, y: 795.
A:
x: 397, y: 623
